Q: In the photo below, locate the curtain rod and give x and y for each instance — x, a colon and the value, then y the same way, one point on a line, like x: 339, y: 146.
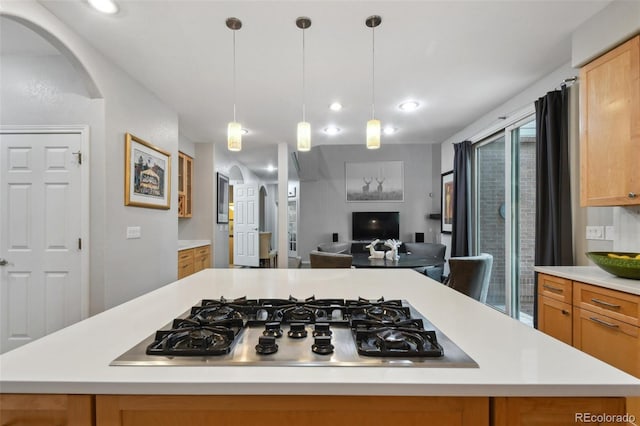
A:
x: 567, y: 81
x: 505, y: 120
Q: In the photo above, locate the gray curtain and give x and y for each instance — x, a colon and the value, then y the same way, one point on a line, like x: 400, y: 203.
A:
x: 554, y: 240
x: 461, y: 226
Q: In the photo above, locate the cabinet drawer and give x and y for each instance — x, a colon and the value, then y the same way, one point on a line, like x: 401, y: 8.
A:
x: 554, y: 287
x: 612, y: 341
x: 184, y: 255
x: 201, y: 251
x: 185, y: 268
x: 554, y: 319
x: 621, y: 306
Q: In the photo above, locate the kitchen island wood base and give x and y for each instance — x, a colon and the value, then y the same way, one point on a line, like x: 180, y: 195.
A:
x: 47, y: 410
x: 183, y: 410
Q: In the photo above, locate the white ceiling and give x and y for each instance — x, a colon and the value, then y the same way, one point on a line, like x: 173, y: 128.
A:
x: 459, y: 59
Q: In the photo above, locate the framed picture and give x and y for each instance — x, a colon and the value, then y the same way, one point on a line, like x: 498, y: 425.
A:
x: 223, y: 199
x: 375, y: 181
x: 446, y: 202
x: 147, y: 174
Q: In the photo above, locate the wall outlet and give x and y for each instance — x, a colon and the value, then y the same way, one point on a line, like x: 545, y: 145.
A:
x: 595, y: 233
x: 133, y: 232
x: 609, y: 233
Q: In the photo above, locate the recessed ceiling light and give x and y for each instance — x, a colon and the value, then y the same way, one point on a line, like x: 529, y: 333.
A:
x: 389, y: 130
x: 105, y: 6
x: 244, y: 131
x: 271, y: 168
x: 332, y: 130
x: 409, y: 106
x: 336, y: 106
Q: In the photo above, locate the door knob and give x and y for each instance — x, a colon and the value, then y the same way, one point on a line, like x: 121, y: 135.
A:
x: 4, y: 262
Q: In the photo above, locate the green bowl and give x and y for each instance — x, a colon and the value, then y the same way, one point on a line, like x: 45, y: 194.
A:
x: 624, y: 268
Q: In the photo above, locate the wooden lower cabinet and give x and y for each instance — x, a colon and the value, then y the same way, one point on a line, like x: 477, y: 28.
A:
x: 201, y: 258
x: 46, y: 410
x: 605, y: 323
x: 553, y: 411
x: 204, y: 410
x: 607, y: 339
x: 554, y: 319
x: 193, y: 260
x: 133, y: 410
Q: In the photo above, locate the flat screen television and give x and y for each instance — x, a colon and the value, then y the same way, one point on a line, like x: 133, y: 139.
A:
x: 371, y: 225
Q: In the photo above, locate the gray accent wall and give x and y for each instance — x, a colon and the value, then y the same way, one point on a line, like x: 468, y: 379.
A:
x: 323, y: 206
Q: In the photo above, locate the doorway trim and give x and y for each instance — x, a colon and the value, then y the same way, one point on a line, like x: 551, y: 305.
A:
x: 85, y: 193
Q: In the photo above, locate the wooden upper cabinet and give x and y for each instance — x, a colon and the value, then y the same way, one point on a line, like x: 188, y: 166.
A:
x: 610, y: 128
x: 185, y: 184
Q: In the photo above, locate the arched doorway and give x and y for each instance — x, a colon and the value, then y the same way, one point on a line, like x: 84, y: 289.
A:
x: 58, y: 280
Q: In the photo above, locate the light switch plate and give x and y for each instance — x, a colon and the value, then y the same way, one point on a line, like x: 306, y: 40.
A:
x: 133, y: 232
x: 595, y: 233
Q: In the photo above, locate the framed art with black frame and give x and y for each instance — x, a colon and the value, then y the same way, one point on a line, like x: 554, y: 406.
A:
x: 446, y: 202
x: 223, y: 199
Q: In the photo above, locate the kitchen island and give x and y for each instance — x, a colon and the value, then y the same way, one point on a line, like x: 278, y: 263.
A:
x: 521, y: 371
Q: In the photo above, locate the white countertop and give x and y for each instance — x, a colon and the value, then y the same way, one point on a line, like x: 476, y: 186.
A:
x: 189, y: 244
x: 592, y: 275
x: 514, y: 359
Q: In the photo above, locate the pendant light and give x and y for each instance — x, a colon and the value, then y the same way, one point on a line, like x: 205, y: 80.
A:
x: 234, y: 129
x: 304, y: 128
x: 373, y: 125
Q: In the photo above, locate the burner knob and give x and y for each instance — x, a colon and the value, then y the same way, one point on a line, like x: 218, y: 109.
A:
x: 322, y: 329
x: 322, y: 345
x: 266, y: 345
x: 297, y: 331
x: 272, y: 329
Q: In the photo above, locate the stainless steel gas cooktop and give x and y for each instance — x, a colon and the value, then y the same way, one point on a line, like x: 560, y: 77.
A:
x: 293, y: 332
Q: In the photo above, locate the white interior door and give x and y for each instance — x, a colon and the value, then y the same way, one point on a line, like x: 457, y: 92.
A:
x: 41, y: 209
x: 246, y: 216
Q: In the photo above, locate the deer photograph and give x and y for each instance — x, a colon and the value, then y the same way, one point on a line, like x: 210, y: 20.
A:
x: 383, y: 181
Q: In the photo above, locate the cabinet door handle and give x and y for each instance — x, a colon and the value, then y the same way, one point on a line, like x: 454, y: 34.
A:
x: 603, y: 303
x: 565, y: 312
x: 632, y: 195
x: 552, y: 288
x: 605, y: 323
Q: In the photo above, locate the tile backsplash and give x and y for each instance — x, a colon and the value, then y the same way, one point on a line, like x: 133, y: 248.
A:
x: 627, y: 228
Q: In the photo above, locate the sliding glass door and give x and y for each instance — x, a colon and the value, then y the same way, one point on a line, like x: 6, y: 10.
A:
x: 489, y: 198
x: 504, y: 219
x: 523, y: 190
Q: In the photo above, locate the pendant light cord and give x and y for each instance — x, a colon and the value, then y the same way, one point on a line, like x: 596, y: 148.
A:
x: 373, y: 73
x: 234, y: 75
x: 303, y: 79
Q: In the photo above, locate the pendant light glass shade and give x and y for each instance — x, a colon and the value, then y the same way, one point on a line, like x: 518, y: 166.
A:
x: 373, y: 134
x: 304, y: 136
x: 234, y: 136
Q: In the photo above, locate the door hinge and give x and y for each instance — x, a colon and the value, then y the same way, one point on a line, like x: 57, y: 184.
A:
x: 79, y: 243
x: 78, y: 155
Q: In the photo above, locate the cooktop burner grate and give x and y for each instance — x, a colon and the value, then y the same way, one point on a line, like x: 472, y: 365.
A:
x: 310, y: 332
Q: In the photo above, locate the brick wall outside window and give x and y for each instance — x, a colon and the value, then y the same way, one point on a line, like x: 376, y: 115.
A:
x: 491, y: 225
